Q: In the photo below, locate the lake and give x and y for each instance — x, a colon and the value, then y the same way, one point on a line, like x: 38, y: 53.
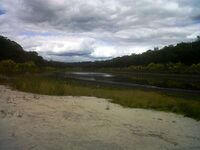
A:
x: 187, y: 83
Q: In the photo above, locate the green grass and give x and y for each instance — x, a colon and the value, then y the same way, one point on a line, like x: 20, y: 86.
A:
x: 135, y: 98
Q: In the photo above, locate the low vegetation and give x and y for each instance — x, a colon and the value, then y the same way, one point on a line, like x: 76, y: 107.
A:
x: 9, y: 67
x: 169, y: 68
x: 188, y: 105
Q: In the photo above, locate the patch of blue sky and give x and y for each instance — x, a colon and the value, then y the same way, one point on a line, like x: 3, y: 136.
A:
x: 2, y: 12
x: 30, y: 33
x: 197, y: 21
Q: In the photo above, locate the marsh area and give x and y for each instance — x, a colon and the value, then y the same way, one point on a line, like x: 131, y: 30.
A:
x: 168, y: 82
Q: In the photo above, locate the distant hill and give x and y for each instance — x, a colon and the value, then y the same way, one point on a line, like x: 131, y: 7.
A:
x: 12, y: 50
x: 185, y: 53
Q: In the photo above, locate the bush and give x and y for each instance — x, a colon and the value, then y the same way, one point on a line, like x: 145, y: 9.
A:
x: 7, y: 67
x: 163, y: 68
x: 195, y: 68
x: 155, y: 67
x: 176, y: 67
x: 27, y: 67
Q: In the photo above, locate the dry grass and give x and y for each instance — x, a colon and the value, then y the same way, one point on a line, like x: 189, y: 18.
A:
x: 188, y: 106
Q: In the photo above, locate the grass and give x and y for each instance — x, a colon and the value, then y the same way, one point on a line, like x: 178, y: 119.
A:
x: 135, y: 98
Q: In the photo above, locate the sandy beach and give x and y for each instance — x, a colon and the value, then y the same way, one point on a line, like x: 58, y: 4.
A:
x: 39, y: 122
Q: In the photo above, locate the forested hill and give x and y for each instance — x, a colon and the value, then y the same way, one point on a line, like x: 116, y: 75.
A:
x: 12, y: 50
x: 185, y: 53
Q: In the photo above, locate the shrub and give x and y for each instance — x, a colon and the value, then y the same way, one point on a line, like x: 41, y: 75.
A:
x: 7, y: 67
x: 155, y: 67
x: 27, y: 67
x: 195, y: 68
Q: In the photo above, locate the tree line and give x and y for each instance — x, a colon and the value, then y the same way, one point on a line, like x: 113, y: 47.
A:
x: 180, y: 58
x: 185, y: 53
x: 178, y: 68
x: 10, y: 50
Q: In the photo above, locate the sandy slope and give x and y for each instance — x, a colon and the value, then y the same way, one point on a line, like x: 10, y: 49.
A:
x: 38, y: 122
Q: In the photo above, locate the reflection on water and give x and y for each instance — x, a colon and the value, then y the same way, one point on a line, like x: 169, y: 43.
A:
x: 91, y: 74
x: 139, y: 80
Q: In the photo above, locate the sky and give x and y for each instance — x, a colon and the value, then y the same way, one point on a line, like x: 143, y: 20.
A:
x: 89, y: 30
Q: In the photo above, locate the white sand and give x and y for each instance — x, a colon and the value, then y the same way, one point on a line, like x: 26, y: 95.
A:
x: 38, y: 122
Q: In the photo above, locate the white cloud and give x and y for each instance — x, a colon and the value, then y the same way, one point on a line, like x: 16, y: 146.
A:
x: 98, y: 29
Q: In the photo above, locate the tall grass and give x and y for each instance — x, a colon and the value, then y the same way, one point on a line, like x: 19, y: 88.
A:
x: 134, y: 98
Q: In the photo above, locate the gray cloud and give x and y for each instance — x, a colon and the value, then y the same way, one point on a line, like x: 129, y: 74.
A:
x: 97, y: 29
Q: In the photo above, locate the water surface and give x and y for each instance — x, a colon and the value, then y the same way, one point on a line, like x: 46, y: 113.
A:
x: 186, y: 83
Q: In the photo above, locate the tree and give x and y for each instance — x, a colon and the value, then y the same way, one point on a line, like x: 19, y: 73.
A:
x: 12, y: 50
x: 198, y: 38
x: 156, y: 49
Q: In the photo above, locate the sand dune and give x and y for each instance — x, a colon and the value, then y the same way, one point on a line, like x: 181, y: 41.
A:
x: 39, y: 122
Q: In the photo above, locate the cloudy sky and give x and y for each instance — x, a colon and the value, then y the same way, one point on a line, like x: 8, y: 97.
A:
x: 88, y: 30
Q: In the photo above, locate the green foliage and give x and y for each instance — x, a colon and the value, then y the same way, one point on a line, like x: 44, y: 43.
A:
x: 195, y: 68
x: 182, y: 53
x: 27, y: 67
x: 174, y: 58
x: 9, y: 67
x: 176, y: 67
x: 49, y: 69
x: 179, y: 68
x: 155, y: 67
x: 187, y: 105
x: 12, y: 50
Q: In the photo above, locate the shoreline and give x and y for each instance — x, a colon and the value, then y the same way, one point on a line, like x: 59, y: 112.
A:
x: 33, y: 121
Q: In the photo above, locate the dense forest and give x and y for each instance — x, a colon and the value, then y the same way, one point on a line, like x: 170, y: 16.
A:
x: 185, y: 53
x: 12, y: 50
x: 180, y: 58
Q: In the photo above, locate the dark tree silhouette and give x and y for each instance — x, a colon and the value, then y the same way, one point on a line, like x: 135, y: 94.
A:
x: 12, y: 50
x: 185, y: 53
